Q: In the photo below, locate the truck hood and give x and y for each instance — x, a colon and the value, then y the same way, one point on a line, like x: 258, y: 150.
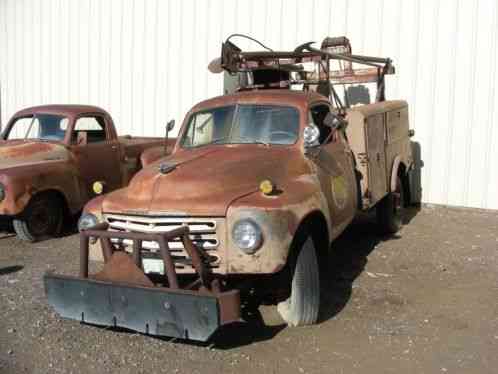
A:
x: 20, y: 153
x: 205, y: 181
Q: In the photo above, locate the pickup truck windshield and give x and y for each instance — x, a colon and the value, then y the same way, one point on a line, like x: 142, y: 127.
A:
x: 40, y: 127
x: 256, y: 124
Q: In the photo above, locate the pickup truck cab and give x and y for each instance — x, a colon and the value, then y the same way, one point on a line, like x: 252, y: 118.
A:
x: 259, y: 184
x: 50, y: 158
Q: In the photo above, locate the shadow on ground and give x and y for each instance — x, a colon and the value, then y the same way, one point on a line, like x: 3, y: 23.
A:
x: 10, y: 269
x: 347, y: 260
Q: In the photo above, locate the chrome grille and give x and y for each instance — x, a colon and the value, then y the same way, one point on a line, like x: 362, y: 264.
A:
x: 203, y: 233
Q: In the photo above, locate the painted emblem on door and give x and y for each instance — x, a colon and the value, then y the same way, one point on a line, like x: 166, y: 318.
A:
x: 340, y: 191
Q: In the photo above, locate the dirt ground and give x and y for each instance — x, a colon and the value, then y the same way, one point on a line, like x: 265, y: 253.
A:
x: 425, y: 301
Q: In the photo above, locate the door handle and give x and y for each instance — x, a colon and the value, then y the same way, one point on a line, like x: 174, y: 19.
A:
x: 114, y: 147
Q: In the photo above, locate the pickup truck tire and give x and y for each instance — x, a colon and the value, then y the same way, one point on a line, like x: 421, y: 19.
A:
x: 43, y: 217
x: 390, y: 210
x: 303, y: 304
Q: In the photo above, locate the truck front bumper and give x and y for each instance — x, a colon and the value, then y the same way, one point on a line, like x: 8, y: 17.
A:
x: 121, y: 295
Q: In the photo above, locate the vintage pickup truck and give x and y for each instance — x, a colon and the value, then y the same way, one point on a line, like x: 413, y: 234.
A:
x: 50, y: 158
x: 260, y: 183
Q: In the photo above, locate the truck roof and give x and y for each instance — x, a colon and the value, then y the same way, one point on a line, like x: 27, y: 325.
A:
x: 276, y: 96
x: 68, y: 110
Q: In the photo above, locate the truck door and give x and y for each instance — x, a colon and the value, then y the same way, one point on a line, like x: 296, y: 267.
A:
x: 335, y: 165
x: 97, y: 152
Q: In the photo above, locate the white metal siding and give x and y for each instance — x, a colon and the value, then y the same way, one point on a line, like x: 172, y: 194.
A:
x: 145, y: 62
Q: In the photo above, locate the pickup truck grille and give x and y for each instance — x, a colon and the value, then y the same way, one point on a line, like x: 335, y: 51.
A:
x: 204, y: 232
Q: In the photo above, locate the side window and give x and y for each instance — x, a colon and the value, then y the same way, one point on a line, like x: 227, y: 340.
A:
x: 93, y: 126
x: 318, y: 114
x: 203, y: 129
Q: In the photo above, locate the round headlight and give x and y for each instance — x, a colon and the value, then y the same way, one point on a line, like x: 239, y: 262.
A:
x: 2, y: 192
x: 247, y: 235
x: 86, y: 221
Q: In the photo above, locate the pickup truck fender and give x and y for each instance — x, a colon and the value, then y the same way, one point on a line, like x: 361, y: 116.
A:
x: 153, y: 154
x: 280, y: 217
x: 22, y: 183
x: 399, y: 165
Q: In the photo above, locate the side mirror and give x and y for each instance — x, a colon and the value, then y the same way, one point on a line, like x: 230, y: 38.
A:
x: 170, y: 125
x: 333, y: 121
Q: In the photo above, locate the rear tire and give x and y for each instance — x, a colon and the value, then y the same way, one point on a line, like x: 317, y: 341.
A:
x: 303, y: 304
x: 43, y: 217
x: 390, y: 210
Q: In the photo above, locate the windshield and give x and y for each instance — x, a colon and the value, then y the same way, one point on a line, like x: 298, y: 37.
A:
x: 40, y: 127
x: 256, y: 124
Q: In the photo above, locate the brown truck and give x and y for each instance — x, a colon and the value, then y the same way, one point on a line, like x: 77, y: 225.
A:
x: 260, y: 183
x: 51, y: 158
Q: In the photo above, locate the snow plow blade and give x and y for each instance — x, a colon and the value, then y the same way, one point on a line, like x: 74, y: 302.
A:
x: 154, y: 311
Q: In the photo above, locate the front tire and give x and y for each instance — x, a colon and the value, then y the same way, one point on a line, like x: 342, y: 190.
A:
x: 303, y: 304
x: 390, y: 210
x: 43, y: 217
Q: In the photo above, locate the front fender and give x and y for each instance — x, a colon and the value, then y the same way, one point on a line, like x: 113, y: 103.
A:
x: 279, y: 217
x: 151, y: 155
x: 21, y: 183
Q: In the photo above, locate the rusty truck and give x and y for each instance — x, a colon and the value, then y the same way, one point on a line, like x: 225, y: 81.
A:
x: 53, y: 157
x: 260, y: 183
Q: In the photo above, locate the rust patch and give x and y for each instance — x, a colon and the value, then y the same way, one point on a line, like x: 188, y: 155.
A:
x: 25, y: 149
x: 121, y: 269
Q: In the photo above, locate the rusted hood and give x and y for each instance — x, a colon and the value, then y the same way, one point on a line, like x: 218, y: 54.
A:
x: 205, y: 181
x: 22, y: 153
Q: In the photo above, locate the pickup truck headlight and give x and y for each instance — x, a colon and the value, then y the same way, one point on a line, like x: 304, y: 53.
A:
x: 247, y: 235
x: 2, y: 192
x: 86, y: 221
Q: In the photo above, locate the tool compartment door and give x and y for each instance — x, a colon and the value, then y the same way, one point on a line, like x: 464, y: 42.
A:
x: 376, y: 156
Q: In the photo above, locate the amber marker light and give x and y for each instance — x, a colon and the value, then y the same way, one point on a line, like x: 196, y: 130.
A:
x: 266, y: 187
x: 98, y: 187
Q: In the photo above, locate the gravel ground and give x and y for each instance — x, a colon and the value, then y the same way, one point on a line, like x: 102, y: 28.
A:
x: 425, y: 301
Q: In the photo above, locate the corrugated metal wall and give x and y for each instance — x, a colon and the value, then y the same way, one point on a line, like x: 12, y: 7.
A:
x: 145, y: 61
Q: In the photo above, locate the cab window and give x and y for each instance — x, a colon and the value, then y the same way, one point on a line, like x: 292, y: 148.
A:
x: 92, y: 128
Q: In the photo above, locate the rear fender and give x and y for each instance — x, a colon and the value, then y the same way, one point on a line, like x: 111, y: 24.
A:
x: 397, y: 164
